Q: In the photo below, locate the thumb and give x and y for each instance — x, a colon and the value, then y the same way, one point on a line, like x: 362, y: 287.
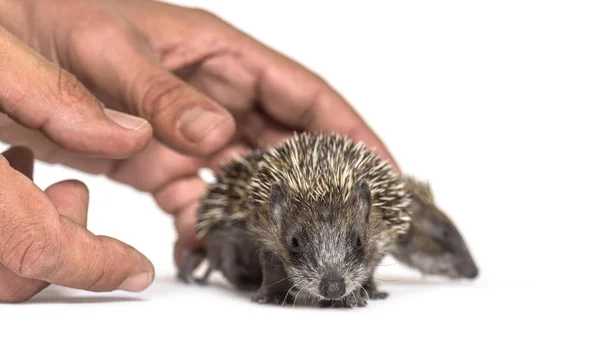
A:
x: 96, y: 263
x: 42, y: 238
x: 41, y: 96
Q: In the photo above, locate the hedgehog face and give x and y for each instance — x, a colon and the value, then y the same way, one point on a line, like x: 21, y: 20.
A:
x: 324, y: 245
x: 434, y: 245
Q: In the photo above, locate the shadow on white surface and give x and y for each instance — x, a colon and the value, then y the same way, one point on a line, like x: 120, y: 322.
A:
x: 59, y: 295
x: 167, y: 286
x: 499, y: 103
x: 65, y: 299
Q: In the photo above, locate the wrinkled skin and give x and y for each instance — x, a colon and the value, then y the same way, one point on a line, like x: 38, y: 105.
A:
x: 198, y: 91
x: 44, y: 238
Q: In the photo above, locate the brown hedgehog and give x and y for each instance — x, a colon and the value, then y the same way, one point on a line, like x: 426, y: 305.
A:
x: 320, y: 212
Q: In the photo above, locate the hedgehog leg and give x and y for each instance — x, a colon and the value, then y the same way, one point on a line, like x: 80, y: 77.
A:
x: 190, y: 261
x: 371, y: 289
x: 275, y: 284
x: 240, y: 263
x: 204, y: 279
x: 244, y: 276
x: 243, y: 279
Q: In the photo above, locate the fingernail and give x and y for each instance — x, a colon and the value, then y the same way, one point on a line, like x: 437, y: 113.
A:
x: 195, y: 123
x: 137, y: 283
x: 126, y: 121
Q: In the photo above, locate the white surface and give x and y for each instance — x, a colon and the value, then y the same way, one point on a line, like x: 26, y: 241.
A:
x: 496, y: 104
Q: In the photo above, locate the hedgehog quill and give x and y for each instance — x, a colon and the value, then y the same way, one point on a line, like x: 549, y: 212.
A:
x: 315, y: 215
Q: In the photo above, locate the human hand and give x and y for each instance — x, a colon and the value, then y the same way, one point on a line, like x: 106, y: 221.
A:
x: 43, y: 235
x: 44, y: 240
x: 208, y: 90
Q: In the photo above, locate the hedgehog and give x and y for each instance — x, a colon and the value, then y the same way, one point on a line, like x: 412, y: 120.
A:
x: 433, y: 244
x: 321, y: 210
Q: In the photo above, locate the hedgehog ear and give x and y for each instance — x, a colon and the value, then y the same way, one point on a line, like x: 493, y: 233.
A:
x: 363, y: 197
x: 279, y: 194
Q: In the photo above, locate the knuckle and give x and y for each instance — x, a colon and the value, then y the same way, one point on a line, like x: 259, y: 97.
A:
x: 99, y: 274
x: 30, y: 251
x: 111, y: 266
x: 160, y: 94
x: 96, y: 25
x: 216, y: 30
x: 39, y: 262
x: 307, y: 117
x: 97, y: 282
x: 69, y: 91
x: 204, y: 15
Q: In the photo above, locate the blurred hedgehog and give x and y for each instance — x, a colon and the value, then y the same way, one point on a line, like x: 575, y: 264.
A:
x: 433, y: 244
x: 317, y: 214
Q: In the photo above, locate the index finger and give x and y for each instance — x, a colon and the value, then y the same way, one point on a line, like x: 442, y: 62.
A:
x: 44, y: 97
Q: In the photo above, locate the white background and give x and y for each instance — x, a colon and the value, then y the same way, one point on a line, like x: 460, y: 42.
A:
x: 496, y: 103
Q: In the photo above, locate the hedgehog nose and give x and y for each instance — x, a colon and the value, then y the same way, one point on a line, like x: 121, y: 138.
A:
x: 469, y: 270
x: 332, y: 288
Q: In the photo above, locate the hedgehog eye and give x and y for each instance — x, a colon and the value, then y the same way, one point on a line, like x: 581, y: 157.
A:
x: 295, y: 243
x: 357, y: 240
x: 445, y: 233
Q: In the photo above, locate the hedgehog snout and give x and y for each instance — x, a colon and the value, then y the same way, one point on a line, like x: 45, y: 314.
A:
x: 468, y: 270
x: 332, y: 286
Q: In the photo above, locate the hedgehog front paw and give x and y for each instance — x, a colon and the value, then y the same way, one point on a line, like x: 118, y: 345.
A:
x: 375, y: 294
x: 378, y: 295
x: 190, y: 261
x: 355, y: 302
x: 350, y: 302
x: 270, y: 298
x: 370, y: 290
